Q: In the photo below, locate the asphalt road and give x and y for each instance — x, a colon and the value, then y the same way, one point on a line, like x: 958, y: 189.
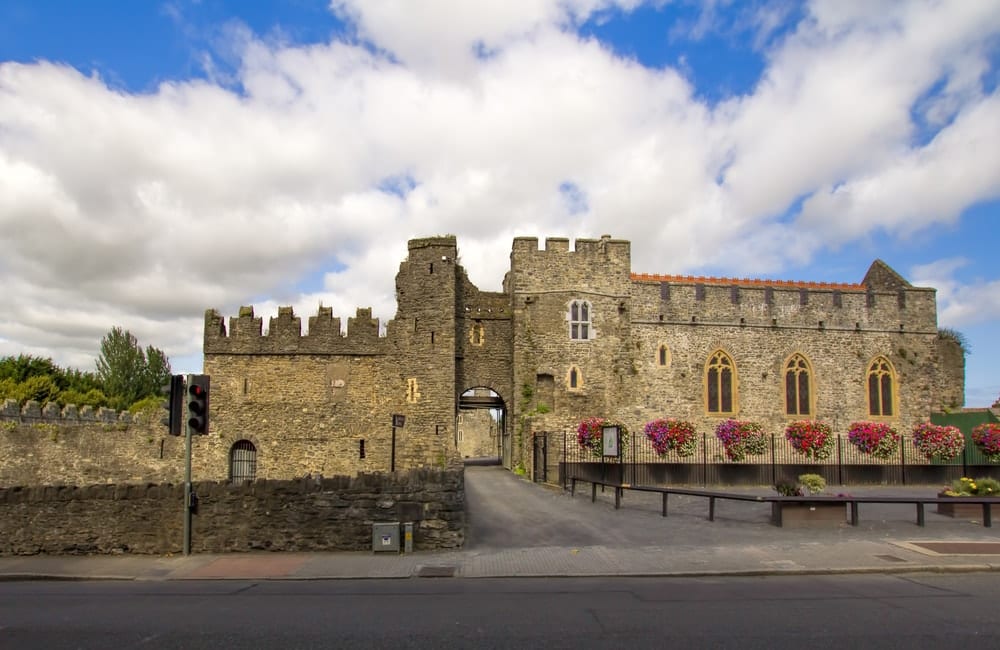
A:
x: 871, y: 611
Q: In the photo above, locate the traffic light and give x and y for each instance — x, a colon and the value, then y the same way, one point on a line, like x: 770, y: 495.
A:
x: 174, y: 405
x: 198, y: 404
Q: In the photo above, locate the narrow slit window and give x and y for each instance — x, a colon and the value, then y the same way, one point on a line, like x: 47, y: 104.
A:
x: 663, y: 356
x: 574, y: 378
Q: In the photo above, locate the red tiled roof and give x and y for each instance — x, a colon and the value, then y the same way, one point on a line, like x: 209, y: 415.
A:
x: 746, y: 282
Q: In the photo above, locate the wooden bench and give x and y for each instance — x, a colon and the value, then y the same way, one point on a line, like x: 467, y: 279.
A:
x: 779, y: 502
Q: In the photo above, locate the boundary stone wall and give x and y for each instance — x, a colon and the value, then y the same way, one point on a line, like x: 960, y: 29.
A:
x: 310, y: 514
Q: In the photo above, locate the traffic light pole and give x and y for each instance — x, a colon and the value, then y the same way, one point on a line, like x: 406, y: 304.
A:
x: 187, y: 478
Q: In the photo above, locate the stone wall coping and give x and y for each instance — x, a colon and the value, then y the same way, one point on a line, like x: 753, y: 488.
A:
x: 31, y: 412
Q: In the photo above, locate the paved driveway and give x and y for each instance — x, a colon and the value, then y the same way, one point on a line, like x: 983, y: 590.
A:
x: 506, y: 511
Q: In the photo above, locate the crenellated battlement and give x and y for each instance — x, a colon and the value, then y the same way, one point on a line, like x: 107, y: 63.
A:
x: 883, y: 301
x: 34, y: 413
x: 605, y: 246
x: 599, y: 265
x: 284, y: 333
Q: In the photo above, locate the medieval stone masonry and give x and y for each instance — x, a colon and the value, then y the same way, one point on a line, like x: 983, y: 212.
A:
x: 574, y: 333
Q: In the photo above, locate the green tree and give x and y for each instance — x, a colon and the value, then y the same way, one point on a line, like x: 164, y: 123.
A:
x: 41, y: 388
x: 82, y: 382
x: 93, y: 397
x: 157, y: 372
x: 25, y: 366
x: 127, y: 373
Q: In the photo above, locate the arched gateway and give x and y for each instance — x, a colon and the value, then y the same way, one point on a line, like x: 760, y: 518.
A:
x: 480, y: 426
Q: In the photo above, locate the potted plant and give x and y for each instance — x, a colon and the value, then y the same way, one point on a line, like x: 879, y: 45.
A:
x: 968, y: 487
x: 741, y: 439
x: 670, y: 434
x: 805, y: 512
x: 811, y: 438
x: 876, y: 439
x: 987, y: 438
x: 812, y: 483
x: 937, y: 441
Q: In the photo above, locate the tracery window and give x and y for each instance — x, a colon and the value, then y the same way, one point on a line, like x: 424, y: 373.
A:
x: 798, y: 386
x: 579, y: 320
x: 881, y: 387
x: 720, y: 384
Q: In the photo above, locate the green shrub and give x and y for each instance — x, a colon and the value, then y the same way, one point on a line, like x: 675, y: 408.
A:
x: 814, y: 483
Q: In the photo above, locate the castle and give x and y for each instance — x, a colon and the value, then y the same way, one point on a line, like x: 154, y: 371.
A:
x: 573, y: 333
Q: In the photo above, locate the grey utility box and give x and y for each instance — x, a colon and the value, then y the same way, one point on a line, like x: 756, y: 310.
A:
x: 385, y: 536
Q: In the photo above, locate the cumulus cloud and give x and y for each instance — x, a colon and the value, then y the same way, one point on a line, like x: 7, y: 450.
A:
x: 142, y: 209
x: 960, y: 305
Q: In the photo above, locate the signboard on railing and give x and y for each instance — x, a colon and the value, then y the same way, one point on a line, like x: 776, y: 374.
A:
x: 611, y: 437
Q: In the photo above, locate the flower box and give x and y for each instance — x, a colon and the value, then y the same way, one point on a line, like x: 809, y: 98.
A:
x: 809, y: 514
x: 961, y: 510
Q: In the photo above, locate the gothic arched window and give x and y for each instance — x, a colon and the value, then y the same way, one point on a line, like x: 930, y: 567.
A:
x: 798, y: 386
x: 720, y: 384
x: 881, y: 388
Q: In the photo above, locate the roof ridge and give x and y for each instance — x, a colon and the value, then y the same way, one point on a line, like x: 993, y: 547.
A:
x: 751, y: 282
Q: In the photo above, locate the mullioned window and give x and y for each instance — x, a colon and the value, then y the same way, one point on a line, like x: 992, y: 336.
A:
x: 720, y: 384
x: 580, y: 326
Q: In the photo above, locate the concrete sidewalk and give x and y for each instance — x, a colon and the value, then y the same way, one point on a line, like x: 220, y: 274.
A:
x: 740, y: 541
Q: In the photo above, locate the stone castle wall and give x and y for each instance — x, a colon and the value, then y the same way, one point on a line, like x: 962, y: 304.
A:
x: 838, y: 328
x: 332, y: 514
x: 320, y: 402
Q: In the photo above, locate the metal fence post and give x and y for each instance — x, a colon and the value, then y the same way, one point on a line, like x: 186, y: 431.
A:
x: 840, y: 459
x: 774, y: 462
x: 704, y: 459
x: 565, y: 471
x: 902, y: 461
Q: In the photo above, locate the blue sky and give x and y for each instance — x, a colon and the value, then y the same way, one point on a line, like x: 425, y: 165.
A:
x: 158, y: 158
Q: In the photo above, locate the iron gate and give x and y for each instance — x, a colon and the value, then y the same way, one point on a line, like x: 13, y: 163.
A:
x: 540, y: 466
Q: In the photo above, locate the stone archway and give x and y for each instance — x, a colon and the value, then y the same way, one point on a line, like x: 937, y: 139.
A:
x: 481, y: 434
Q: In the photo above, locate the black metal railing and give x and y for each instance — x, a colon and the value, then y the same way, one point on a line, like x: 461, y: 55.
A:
x: 639, y: 464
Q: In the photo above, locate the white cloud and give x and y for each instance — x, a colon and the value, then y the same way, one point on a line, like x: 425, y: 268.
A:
x: 960, y: 305
x: 142, y: 210
x: 440, y: 37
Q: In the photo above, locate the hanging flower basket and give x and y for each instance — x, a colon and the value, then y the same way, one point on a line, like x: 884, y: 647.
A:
x: 590, y: 435
x: 938, y: 441
x: 877, y: 439
x: 811, y: 438
x: 741, y: 439
x: 672, y: 435
x: 987, y: 438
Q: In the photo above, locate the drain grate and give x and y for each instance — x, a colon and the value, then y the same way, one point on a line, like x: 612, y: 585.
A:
x: 890, y: 558
x: 436, y: 572
x: 961, y: 548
